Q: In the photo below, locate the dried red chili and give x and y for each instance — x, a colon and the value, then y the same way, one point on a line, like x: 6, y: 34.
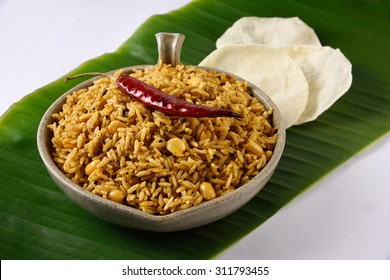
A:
x: 154, y: 99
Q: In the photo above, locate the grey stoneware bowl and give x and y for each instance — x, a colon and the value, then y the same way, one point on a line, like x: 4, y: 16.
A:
x: 169, y: 46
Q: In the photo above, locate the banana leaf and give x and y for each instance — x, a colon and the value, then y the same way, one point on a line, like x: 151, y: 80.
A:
x: 37, y: 221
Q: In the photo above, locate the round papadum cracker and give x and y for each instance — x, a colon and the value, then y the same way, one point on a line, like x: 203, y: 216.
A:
x: 328, y: 72
x: 271, y: 70
x: 273, y: 32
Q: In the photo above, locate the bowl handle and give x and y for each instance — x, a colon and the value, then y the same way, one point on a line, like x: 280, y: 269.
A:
x: 169, y: 47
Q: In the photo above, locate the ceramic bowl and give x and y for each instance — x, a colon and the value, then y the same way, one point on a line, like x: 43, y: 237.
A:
x: 204, y: 213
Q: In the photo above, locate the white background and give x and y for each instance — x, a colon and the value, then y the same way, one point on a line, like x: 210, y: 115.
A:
x: 344, y: 216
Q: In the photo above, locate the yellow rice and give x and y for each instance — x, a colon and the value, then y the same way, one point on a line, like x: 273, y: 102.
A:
x: 116, y: 148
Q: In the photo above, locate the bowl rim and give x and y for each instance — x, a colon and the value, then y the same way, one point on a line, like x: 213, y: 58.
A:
x: 43, y: 141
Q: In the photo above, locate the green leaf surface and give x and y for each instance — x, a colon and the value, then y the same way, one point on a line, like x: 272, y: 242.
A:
x: 37, y: 221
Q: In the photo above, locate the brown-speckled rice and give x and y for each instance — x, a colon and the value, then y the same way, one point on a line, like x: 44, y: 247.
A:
x: 114, y: 147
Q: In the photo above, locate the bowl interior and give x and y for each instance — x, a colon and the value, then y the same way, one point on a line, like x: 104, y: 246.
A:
x: 123, y: 215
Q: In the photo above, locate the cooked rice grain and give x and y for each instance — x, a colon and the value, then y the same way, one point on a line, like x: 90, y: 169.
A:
x: 105, y: 141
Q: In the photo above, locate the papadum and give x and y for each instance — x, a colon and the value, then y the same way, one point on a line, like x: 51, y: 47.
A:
x: 273, y: 32
x: 328, y: 72
x: 271, y: 70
